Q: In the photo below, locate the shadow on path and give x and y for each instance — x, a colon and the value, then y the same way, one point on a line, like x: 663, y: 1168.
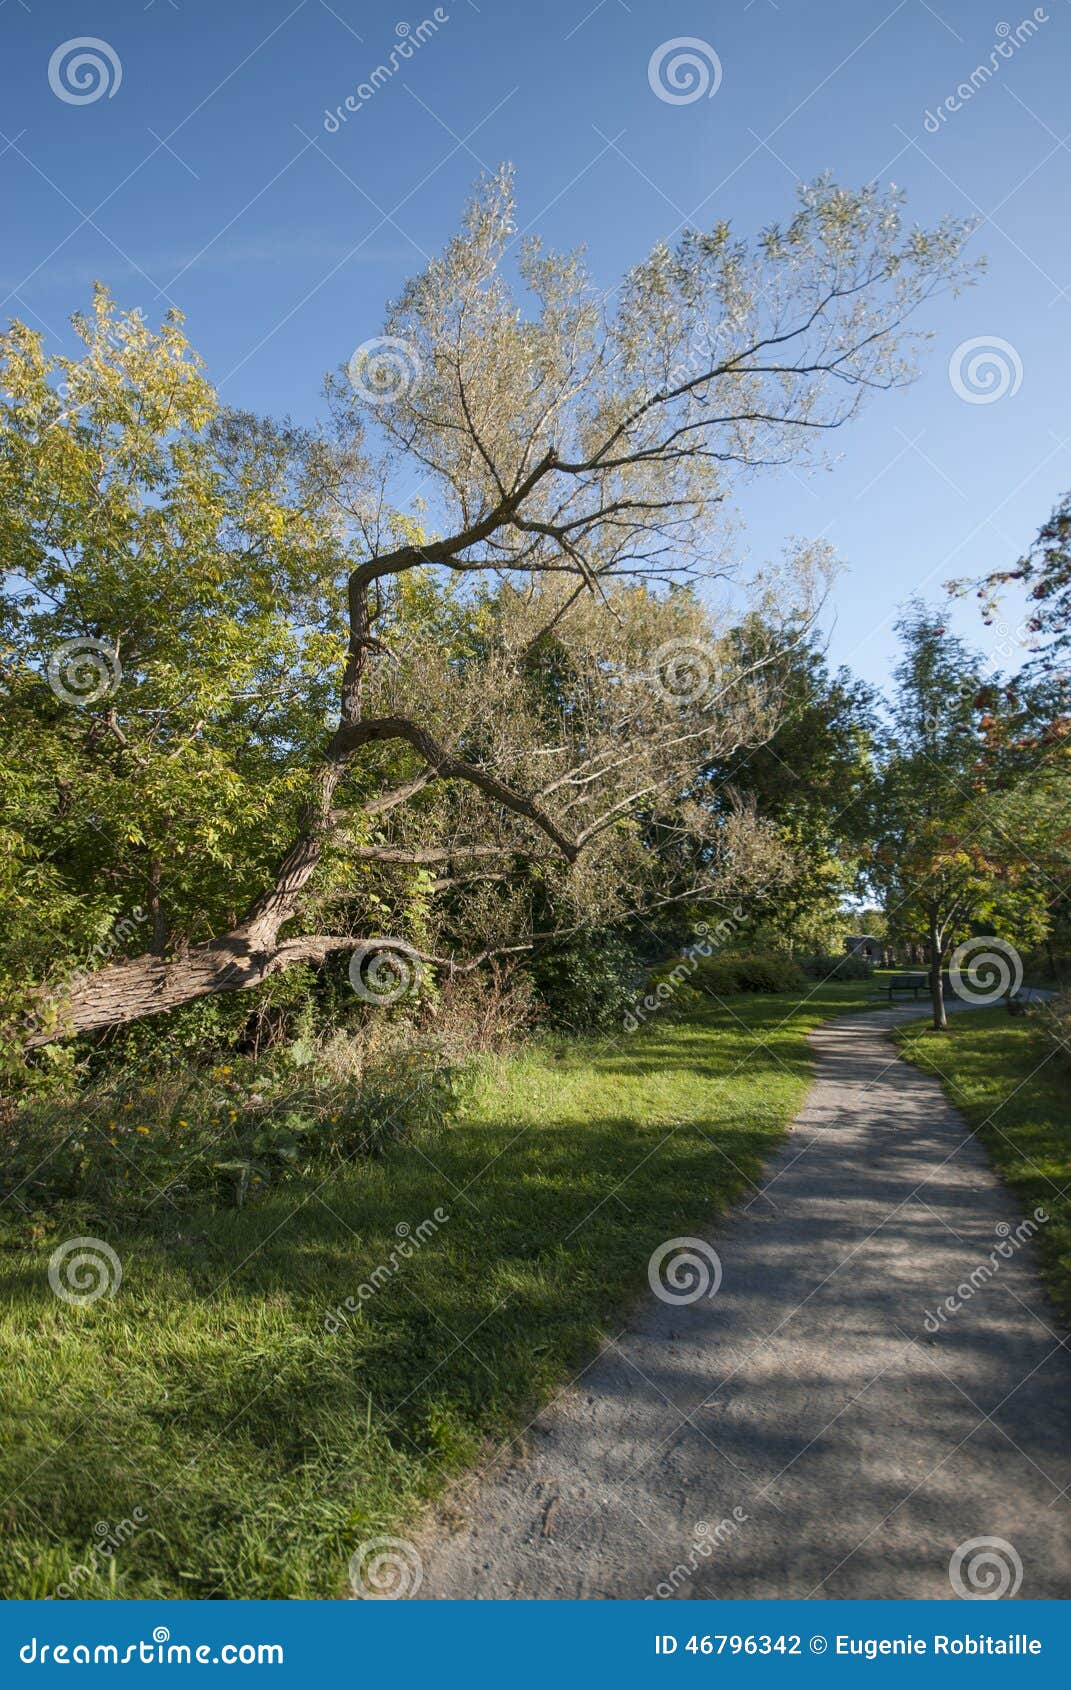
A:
x: 805, y: 1432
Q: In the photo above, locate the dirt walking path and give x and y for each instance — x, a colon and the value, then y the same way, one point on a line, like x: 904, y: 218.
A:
x: 802, y: 1433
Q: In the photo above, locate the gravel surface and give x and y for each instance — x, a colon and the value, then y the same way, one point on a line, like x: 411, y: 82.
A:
x: 801, y: 1433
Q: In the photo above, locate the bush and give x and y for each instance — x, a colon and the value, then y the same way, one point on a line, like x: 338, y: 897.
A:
x: 587, y: 985
x: 836, y: 968
x: 282, y: 1008
x: 723, y: 976
x: 487, y: 1010
x: 760, y: 973
x: 219, y: 1136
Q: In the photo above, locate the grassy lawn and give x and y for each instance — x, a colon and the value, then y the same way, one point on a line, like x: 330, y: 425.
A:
x: 1016, y: 1093
x: 249, y: 1437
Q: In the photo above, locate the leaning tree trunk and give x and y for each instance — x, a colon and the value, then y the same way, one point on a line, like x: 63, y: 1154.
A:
x: 152, y: 984
x: 127, y: 991
x: 123, y: 992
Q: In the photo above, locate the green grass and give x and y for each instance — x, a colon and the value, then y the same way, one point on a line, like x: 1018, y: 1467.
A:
x: 1015, y: 1091
x: 258, y: 1446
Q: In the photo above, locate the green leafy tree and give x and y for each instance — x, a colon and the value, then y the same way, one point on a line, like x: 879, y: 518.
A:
x: 810, y: 780
x: 315, y: 734
x: 957, y: 819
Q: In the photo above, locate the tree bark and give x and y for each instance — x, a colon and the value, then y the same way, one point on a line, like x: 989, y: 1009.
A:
x: 128, y: 991
x: 937, y: 979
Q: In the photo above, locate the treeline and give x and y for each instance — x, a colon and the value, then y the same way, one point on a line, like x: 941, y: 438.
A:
x: 281, y: 752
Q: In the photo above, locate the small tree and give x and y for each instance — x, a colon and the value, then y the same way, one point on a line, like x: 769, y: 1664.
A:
x: 956, y: 819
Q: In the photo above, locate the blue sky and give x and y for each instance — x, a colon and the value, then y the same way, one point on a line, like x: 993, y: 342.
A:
x: 207, y: 179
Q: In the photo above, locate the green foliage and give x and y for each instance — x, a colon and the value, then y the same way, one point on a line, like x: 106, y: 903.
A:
x: 836, y: 968
x: 587, y: 984
x: 298, y: 1005
x: 221, y: 1136
x: 810, y: 778
x: 963, y: 809
x: 724, y: 975
x: 176, y: 548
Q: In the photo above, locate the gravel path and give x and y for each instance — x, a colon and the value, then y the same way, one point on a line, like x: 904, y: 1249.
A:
x: 801, y: 1433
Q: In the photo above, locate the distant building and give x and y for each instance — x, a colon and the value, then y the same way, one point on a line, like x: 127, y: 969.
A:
x: 865, y: 947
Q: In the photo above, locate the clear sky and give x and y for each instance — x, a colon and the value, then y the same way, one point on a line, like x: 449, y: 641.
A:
x: 206, y: 178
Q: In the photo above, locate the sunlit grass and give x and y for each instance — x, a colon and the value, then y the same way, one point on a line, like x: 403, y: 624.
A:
x: 1014, y: 1087
x: 253, y: 1430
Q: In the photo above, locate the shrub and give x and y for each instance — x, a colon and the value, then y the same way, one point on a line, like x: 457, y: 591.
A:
x: 723, y: 976
x: 587, y: 985
x: 219, y: 1136
x: 836, y: 968
x: 487, y: 1010
x: 765, y: 974
x: 281, y: 1008
x: 720, y: 976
